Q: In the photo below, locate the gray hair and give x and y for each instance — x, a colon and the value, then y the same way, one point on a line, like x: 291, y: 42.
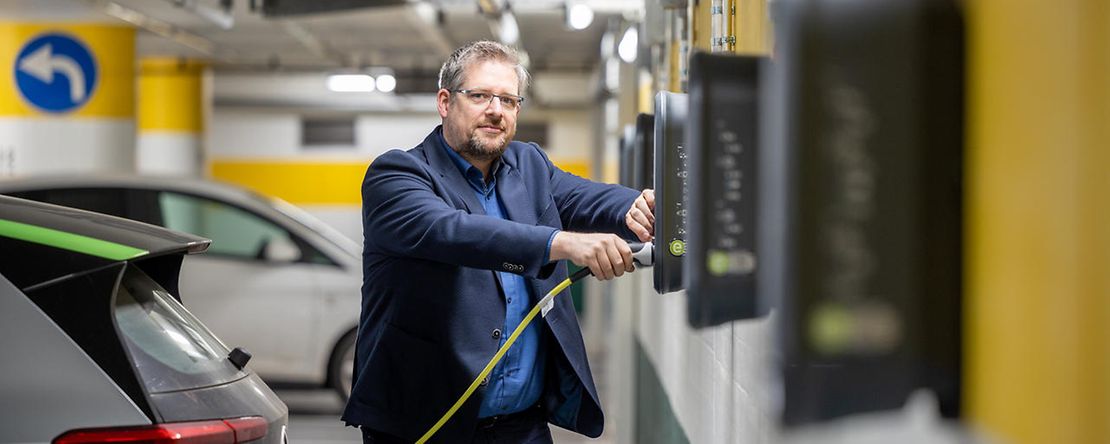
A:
x: 451, y: 74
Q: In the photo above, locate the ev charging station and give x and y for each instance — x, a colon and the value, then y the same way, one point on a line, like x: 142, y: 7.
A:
x: 705, y: 149
x: 860, y: 191
x: 722, y: 148
x: 643, y: 155
x: 671, y: 186
x: 825, y: 187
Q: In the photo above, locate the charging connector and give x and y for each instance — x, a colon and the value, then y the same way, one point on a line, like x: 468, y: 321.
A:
x: 643, y: 253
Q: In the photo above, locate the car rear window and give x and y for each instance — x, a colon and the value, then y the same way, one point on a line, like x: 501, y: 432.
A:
x: 170, y: 348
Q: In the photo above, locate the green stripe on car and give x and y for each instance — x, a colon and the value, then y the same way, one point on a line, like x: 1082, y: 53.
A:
x: 69, y: 241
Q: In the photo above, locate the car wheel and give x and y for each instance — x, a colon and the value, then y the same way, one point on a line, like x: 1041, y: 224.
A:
x: 341, y: 368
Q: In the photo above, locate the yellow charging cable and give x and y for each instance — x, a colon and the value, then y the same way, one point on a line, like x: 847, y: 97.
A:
x: 501, y: 352
x: 642, y: 254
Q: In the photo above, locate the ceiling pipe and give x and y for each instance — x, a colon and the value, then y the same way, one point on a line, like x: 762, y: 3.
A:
x: 314, y: 45
x: 424, y: 15
x: 219, y: 16
x: 162, y: 28
x: 503, y: 26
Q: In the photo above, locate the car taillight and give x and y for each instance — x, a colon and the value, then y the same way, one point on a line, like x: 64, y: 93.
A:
x: 248, y: 428
x: 225, y: 431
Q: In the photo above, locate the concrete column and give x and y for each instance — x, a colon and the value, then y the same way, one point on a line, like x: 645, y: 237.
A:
x: 66, y: 97
x: 170, y: 117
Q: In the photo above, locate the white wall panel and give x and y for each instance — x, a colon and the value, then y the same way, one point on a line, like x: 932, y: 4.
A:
x: 235, y: 134
x: 168, y: 153
x: 61, y: 145
x: 378, y: 133
x: 716, y: 379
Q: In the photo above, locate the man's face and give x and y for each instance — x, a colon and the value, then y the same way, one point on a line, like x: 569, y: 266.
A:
x: 480, y: 130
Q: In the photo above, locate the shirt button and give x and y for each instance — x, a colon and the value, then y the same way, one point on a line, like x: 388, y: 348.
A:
x: 485, y: 381
x: 497, y: 333
x: 509, y: 301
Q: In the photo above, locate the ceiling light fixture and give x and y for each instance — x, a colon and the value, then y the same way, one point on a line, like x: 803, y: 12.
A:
x: 351, y: 83
x: 386, y: 83
x: 629, y: 45
x: 579, y: 15
x: 509, y: 32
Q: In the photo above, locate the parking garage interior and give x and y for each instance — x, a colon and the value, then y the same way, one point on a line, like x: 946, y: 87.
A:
x: 875, y: 221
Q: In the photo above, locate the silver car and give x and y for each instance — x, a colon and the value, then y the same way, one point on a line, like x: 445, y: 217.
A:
x: 97, y: 346
x: 275, y: 281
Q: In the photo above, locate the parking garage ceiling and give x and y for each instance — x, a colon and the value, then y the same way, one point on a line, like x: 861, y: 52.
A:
x: 256, y: 35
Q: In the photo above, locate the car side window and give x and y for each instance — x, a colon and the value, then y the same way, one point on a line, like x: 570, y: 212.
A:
x: 234, y: 232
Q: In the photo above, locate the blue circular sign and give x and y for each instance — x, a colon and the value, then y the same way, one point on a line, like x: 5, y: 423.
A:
x: 55, y: 72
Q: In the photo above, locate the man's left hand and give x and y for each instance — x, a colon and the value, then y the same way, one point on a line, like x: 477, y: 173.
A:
x: 641, y: 217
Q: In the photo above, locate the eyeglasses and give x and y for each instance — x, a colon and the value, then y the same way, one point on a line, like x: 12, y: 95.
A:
x: 484, y: 98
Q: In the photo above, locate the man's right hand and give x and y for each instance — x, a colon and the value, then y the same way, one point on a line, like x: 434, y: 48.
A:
x: 606, y: 255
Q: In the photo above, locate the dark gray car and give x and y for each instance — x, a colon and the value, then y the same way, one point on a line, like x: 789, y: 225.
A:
x: 97, y: 346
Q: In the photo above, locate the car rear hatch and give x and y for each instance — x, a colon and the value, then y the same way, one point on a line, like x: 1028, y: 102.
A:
x: 111, y: 285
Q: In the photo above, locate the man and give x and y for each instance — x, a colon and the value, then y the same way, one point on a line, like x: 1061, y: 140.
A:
x: 463, y: 234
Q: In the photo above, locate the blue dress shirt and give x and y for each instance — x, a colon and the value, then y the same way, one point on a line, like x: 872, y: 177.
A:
x: 516, y: 383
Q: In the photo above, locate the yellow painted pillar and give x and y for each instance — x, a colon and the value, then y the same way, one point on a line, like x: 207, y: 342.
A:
x: 701, y: 24
x: 1038, y: 295
x: 170, y: 117
x: 751, y: 24
x: 67, y: 101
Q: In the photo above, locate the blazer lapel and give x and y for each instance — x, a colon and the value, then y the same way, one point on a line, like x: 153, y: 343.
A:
x: 521, y: 207
x: 442, y: 164
x: 518, y: 203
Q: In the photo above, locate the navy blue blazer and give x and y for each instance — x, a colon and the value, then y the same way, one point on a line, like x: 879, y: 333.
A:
x: 431, y: 300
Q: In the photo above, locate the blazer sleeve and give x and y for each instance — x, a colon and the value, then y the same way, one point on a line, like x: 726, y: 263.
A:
x: 588, y: 206
x: 403, y: 216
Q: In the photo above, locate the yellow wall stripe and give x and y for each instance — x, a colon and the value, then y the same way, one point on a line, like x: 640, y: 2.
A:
x: 297, y: 182
x: 578, y: 168
x: 170, y: 95
x: 315, y: 183
x: 1038, y: 307
x: 113, y: 48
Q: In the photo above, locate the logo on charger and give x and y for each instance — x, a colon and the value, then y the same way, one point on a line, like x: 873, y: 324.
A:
x: 677, y: 247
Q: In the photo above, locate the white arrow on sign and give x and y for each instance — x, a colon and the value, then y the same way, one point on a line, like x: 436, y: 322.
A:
x: 41, y: 64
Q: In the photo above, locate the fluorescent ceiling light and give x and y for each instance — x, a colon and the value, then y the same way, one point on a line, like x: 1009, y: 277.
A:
x: 509, y: 33
x: 580, y: 16
x: 629, y: 45
x: 351, y: 83
x: 386, y: 83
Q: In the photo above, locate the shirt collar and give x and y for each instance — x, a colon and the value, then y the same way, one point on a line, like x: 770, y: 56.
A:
x: 472, y: 174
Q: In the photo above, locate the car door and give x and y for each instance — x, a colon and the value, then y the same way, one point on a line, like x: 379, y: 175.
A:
x: 248, y: 294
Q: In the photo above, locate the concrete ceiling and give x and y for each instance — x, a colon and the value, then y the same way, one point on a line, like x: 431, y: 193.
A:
x: 414, y: 36
x: 409, y: 37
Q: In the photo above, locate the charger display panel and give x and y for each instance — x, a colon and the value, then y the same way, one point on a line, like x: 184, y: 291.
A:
x: 722, y: 145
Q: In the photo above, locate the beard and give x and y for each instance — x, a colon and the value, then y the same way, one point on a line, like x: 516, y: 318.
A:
x: 484, y: 149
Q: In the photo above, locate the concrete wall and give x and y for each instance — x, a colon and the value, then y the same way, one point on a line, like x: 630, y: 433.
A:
x: 268, y: 135
x: 248, y: 133
x: 716, y: 380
